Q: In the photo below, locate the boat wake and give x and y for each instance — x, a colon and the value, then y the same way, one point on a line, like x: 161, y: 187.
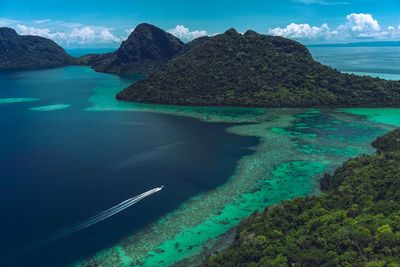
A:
x: 96, y: 218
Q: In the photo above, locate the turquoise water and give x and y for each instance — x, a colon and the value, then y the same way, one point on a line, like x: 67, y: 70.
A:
x: 51, y: 107
x: 296, y: 148
x: 70, y: 148
x: 389, y: 116
x: 10, y: 100
x: 61, y: 164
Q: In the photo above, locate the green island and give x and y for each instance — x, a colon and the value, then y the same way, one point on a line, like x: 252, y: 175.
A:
x: 306, y: 133
x: 145, y: 50
x: 257, y: 70
x: 355, y: 222
x: 30, y: 52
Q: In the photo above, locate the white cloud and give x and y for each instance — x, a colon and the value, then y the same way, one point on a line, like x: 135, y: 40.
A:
x: 391, y: 32
x: 358, y: 25
x: 106, y: 36
x: 299, y: 31
x: 81, y: 35
x: 44, y: 32
x: 320, y: 2
x: 365, y: 26
x: 180, y: 31
x: 361, y: 22
x: 185, y: 34
x: 71, y: 33
x: 129, y: 31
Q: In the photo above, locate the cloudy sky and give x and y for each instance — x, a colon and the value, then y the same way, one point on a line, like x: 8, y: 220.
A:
x: 101, y: 23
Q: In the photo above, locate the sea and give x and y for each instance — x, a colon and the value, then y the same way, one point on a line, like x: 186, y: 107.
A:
x: 88, y: 180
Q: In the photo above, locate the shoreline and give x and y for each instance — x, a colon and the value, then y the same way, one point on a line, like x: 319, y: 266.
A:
x: 280, y: 153
x: 219, y: 244
x: 295, y: 147
x: 167, y: 253
x: 186, y: 207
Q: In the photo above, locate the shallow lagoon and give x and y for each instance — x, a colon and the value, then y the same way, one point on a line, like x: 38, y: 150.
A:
x: 62, y: 164
x: 219, y: 165
x: 296, y: 147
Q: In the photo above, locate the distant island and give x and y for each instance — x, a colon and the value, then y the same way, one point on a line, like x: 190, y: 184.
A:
x: 360, y: 44
x: 30, y: 52
x: 354, y: 223
x: 255, y: 70
x: 147, y: 49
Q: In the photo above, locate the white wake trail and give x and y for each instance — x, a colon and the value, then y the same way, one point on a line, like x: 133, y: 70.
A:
x: 96, y: 218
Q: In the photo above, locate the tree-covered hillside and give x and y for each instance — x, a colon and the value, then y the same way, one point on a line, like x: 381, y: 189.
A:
x: 356, y: 222
x: 30, y: 52
x: 252, y: 69
x: 147, y: 49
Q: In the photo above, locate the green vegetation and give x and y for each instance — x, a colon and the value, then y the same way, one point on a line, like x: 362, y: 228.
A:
x: 30, y: 52
x: 356, y: 222
x: 388, y: 142
x: 252, y: 69
x: 147, y: 49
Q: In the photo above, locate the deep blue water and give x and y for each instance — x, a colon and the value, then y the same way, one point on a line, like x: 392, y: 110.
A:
x: 62, y: 166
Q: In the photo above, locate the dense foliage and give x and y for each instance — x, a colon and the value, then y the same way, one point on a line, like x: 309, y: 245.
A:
x: 356, y: 222
x: 256, y: 70
x: 146, y: 49
x: 390, y: 141
x: 29, y: 52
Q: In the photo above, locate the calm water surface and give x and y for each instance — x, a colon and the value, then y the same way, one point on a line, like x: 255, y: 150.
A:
x: 61, y: 164
x: 381, y: 62
x: 68, y: 152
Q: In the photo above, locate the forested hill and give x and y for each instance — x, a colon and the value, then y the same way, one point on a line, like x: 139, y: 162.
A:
x: 30, y: 52
x: 356, y: 222
x: 146, y: 49
x: 252, y: 69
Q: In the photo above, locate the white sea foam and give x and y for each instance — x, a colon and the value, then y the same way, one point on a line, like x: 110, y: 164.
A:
x: 96, y: 218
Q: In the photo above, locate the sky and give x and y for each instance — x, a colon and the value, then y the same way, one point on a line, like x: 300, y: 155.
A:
x: 104, y: 23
